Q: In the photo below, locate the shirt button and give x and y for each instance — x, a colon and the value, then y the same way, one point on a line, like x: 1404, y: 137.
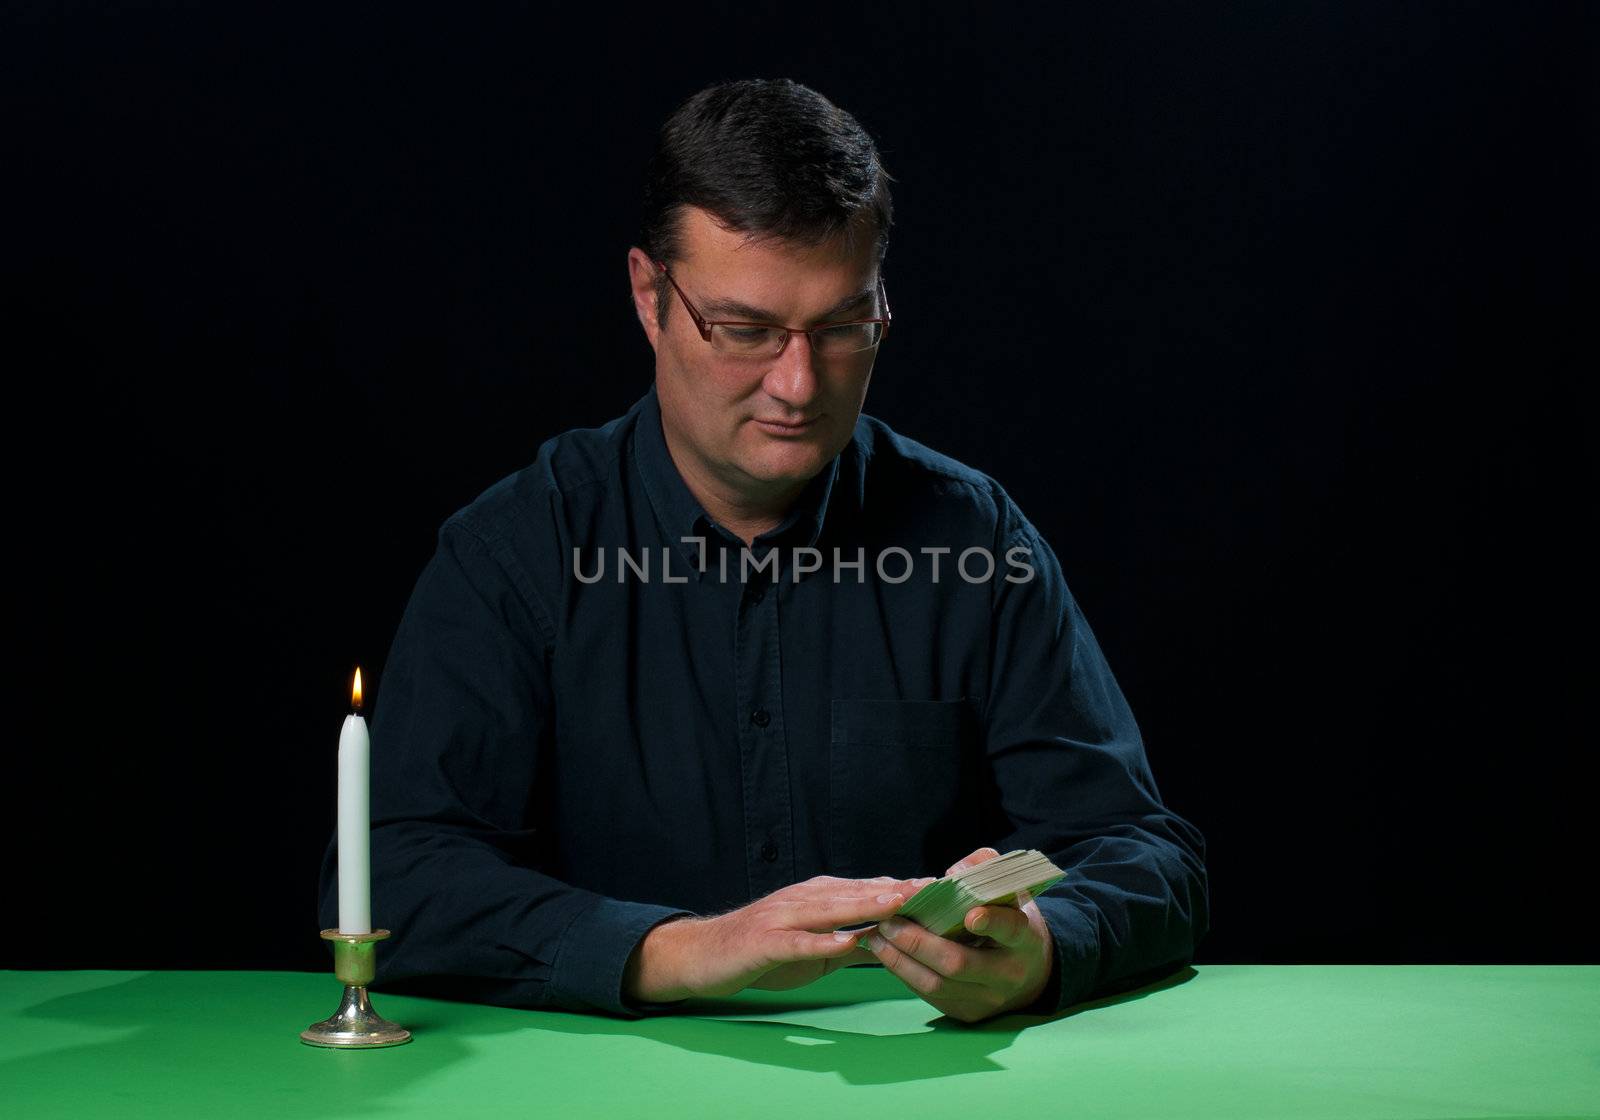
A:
x: 760, y: 717
x: 769, y: 851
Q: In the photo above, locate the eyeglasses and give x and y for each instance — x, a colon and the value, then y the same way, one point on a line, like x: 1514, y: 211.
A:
x: 767, y: 340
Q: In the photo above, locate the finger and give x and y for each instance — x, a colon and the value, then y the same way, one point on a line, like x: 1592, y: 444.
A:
x: 802, y: 945
x: 860, y: 889
x: 858, y: 955
x: 905, y: 889
x: 925, y: 981
x: 840, y: 910
x: 948, y: 958
x: 872, y: 888
x: 981, y: 855
x: 833, y: 882
x: 889, y: 881
x: 1004, y: 924
x: 941, y: 991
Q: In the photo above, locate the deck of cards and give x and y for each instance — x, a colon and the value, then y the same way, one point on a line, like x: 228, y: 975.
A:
x: 942, y: 905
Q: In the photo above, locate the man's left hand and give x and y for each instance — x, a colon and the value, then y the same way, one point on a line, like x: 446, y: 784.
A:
x: 1005, y: 971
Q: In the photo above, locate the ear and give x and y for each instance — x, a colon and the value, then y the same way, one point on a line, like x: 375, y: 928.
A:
x: 642, y: 275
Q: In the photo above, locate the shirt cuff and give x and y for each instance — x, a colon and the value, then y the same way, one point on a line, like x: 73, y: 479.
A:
x: 1076, y: 940
x: 594, y: 951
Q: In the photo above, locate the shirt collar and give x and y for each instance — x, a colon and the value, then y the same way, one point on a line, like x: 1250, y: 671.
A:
x: 681, y: 515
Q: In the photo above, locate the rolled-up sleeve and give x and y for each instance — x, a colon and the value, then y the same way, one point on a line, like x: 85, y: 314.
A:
x: 1074, y: 782
x: 461, y: 719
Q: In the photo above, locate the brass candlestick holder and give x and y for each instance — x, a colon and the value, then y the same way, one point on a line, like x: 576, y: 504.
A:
x: 355, y: 1025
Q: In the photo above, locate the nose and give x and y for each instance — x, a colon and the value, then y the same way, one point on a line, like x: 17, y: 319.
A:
x: 793, y: 376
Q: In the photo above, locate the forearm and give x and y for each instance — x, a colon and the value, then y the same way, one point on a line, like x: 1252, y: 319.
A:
x: 469, y: 921
x: 1134, y: 904
x: 1075, y: 783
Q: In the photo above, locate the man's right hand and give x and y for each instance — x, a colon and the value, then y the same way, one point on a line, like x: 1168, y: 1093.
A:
x: 784, y: 940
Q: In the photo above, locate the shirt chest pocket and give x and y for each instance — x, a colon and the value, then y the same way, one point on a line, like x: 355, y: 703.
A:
x: 902, y: 775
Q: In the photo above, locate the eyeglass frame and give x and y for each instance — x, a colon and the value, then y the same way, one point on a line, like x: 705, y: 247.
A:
x: 704, y: 325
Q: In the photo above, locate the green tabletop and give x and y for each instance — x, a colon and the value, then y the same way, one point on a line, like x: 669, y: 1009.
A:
x: 1227, y: 1041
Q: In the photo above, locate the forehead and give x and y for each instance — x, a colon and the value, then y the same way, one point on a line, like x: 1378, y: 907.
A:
x: 721, y: 255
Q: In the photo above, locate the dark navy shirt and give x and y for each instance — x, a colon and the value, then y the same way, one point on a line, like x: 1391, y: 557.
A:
x: 588, y: 723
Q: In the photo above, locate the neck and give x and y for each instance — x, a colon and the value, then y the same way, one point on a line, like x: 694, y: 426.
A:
x: 746, y: 511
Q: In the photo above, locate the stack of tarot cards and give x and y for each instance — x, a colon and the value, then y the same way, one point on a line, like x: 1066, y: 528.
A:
x: 942, y: 905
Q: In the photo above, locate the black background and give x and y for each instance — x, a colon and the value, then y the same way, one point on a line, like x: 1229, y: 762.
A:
x: 1273, y: 318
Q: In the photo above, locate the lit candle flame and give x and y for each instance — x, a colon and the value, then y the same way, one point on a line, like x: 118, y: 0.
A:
x: 355, y: 691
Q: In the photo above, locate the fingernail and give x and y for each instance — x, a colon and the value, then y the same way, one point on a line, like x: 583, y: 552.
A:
x: 889, y: 927
x: 887, y: 897
x: 981, y: 922
x: 874, y: 942
x: 843, y: 937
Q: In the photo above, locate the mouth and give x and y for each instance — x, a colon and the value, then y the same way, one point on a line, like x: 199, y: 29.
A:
x: 786, y: 428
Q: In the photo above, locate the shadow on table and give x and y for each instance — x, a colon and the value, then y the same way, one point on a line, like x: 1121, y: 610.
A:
x: 224, y: 1044
x: 868, y: 1034
x: 209, y: 1041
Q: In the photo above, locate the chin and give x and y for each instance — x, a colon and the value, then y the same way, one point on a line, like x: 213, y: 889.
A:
x: 788, y: 463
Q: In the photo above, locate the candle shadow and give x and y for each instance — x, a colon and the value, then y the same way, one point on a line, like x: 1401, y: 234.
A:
x: 161, y: 1042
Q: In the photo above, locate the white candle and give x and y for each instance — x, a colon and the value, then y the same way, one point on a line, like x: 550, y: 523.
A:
x: 355, y: 868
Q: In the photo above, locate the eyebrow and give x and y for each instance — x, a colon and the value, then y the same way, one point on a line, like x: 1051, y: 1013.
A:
x: 714, y: 308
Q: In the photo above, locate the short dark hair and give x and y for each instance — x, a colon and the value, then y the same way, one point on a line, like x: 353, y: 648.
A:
x: 768, y: 157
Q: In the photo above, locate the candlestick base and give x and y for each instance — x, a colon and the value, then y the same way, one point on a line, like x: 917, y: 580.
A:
x: 355, y: 1025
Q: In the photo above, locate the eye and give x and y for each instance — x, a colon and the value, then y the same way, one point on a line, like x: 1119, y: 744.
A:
x: 751, y: 340
x: 853, y: 331
x: 848, y: 338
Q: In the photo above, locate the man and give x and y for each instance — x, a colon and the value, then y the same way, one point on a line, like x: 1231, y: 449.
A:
x: 743, y: 666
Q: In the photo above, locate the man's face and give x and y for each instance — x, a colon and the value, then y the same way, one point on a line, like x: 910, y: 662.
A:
x: 726, y: 412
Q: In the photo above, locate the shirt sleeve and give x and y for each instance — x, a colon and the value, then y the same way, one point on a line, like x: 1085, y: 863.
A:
x: 461, y: 720
x: 1074, y: 782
